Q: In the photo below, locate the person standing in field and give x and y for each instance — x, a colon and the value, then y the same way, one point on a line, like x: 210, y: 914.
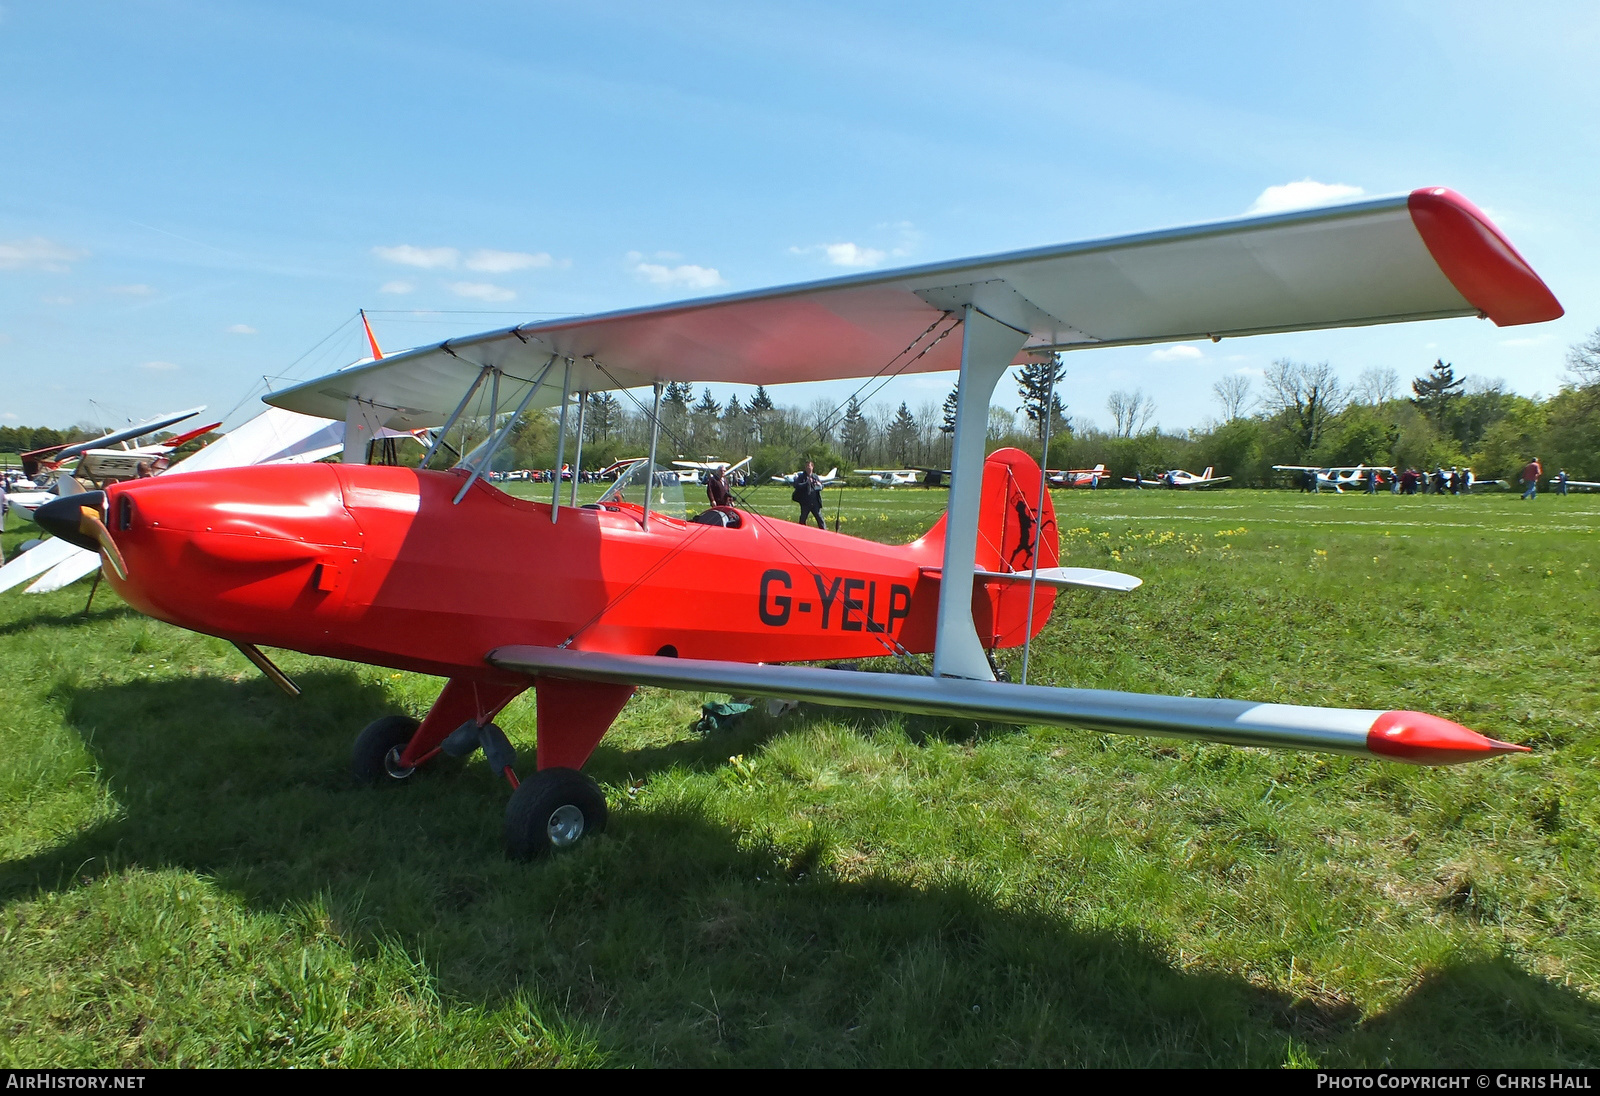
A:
x: 1561, y: 482
x: 1530, y: 476
x: 717, y: 489
x: 808, y: 493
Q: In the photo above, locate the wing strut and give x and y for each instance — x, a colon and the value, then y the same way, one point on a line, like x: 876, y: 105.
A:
x: 987, y: 349
x: 438, y: 438
x: 561, y: 442
x: 577, y: 458
x: 499, y: 437
x: 650, y: 472
x: 1038, y: 516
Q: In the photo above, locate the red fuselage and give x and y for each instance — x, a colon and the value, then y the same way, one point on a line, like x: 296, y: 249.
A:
x: 376, y: 565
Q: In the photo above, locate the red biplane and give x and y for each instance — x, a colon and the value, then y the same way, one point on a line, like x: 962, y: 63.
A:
x: 440, y: 573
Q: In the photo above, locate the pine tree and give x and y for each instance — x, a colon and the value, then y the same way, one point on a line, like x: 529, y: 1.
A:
x: 703, y: 420
x: 948, y: 426
x: 604, y: 416
x: 857, y: 432
x: 760, y: 413
x: 735, y: 424
x: 675, y: 412
x: 902, y: 435
x: 1036, y: 383
x: 1435, y: 392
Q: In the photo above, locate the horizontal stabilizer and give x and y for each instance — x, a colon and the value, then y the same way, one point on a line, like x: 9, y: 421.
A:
x: 1408, y: 736
x: 1086, y: 578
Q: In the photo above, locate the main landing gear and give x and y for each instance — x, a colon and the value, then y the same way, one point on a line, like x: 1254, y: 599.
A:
x: 375, y: 757
x: 553, y: 809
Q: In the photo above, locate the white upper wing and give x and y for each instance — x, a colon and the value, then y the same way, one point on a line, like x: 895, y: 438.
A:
x: 1431, y: 254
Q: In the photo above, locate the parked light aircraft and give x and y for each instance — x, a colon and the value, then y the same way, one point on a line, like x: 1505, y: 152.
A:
x: 698, y: 471
x: 103, y: 466
x: 1076, y: 477
x: 1177, y: 477
x: 1339, y: 476
x: 891, y: 477
x: 439, y: 573
x: 47, y: 470
x: 832, y: 479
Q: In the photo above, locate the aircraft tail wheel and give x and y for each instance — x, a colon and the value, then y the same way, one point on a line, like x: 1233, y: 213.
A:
x: 375, y: 757
x: 551, y: 810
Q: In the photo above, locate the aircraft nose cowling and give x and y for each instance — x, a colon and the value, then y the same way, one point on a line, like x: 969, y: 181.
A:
x: 238, y: 552
x: 63, y: 517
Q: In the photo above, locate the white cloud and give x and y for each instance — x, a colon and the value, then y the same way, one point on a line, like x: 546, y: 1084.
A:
x: 1534, y: 340
x: 428, y: 258
x: 396, y: 287
x: 241, y: 329
x: 688, y: 275
x: 1301, y: 195
x: 38, y: 253
x: 849, y: 254
x: 1179, y: 353
x: 503, y: 262
x: 56, y: 300
x: 10, y: 416
x: 134, y: 290
x: 481, y: 291
x: 159, y: 367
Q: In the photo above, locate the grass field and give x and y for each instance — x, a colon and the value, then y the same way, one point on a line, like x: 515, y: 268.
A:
x: 188, y: 876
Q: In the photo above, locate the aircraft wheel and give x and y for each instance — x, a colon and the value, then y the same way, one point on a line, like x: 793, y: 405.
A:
x: 375, y: 757
x: 553, y: 809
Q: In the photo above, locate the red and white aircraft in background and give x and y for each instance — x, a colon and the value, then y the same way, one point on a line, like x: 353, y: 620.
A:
x: 1076, y: 477
x: 50, y: 478
x: 439, y: 573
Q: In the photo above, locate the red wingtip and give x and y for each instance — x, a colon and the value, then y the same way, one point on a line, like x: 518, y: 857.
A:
x: 1424, y: 739
x: 377, y: 355
x: 1479, y: 261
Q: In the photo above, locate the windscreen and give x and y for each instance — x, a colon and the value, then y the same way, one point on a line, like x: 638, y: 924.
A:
x: 666, y: 492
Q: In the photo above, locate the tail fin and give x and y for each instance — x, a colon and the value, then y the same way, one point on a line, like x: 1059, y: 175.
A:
x: 1008, y: 518
x: 1207, y: 473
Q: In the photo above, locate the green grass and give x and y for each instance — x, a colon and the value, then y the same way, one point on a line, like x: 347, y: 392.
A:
x: 187, y: 876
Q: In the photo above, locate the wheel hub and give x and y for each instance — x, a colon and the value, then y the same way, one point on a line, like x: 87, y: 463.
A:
x: 565, y: 825
x: 391, y: 764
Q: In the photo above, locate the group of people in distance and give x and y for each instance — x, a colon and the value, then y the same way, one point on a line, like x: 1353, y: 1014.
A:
x: 1440, y: 482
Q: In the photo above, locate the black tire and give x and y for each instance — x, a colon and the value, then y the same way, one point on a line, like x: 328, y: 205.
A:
x: 369, y: 756
x: 553, y: 809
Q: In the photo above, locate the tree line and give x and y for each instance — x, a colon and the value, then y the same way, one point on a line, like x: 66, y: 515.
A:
x: 1298, y: 413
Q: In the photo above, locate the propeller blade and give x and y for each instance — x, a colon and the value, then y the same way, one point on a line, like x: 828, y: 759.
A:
x: 90, y: 525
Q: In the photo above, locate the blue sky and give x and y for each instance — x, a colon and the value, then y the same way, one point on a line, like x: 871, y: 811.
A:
x: 195, y: 195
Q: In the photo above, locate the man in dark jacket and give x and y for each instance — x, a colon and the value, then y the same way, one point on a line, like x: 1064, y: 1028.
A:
x: 717, y: 489
x: 808, y: 493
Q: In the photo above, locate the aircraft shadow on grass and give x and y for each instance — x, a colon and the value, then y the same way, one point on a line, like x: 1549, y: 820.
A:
x: 673, y: 939
x: 67, y: 620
